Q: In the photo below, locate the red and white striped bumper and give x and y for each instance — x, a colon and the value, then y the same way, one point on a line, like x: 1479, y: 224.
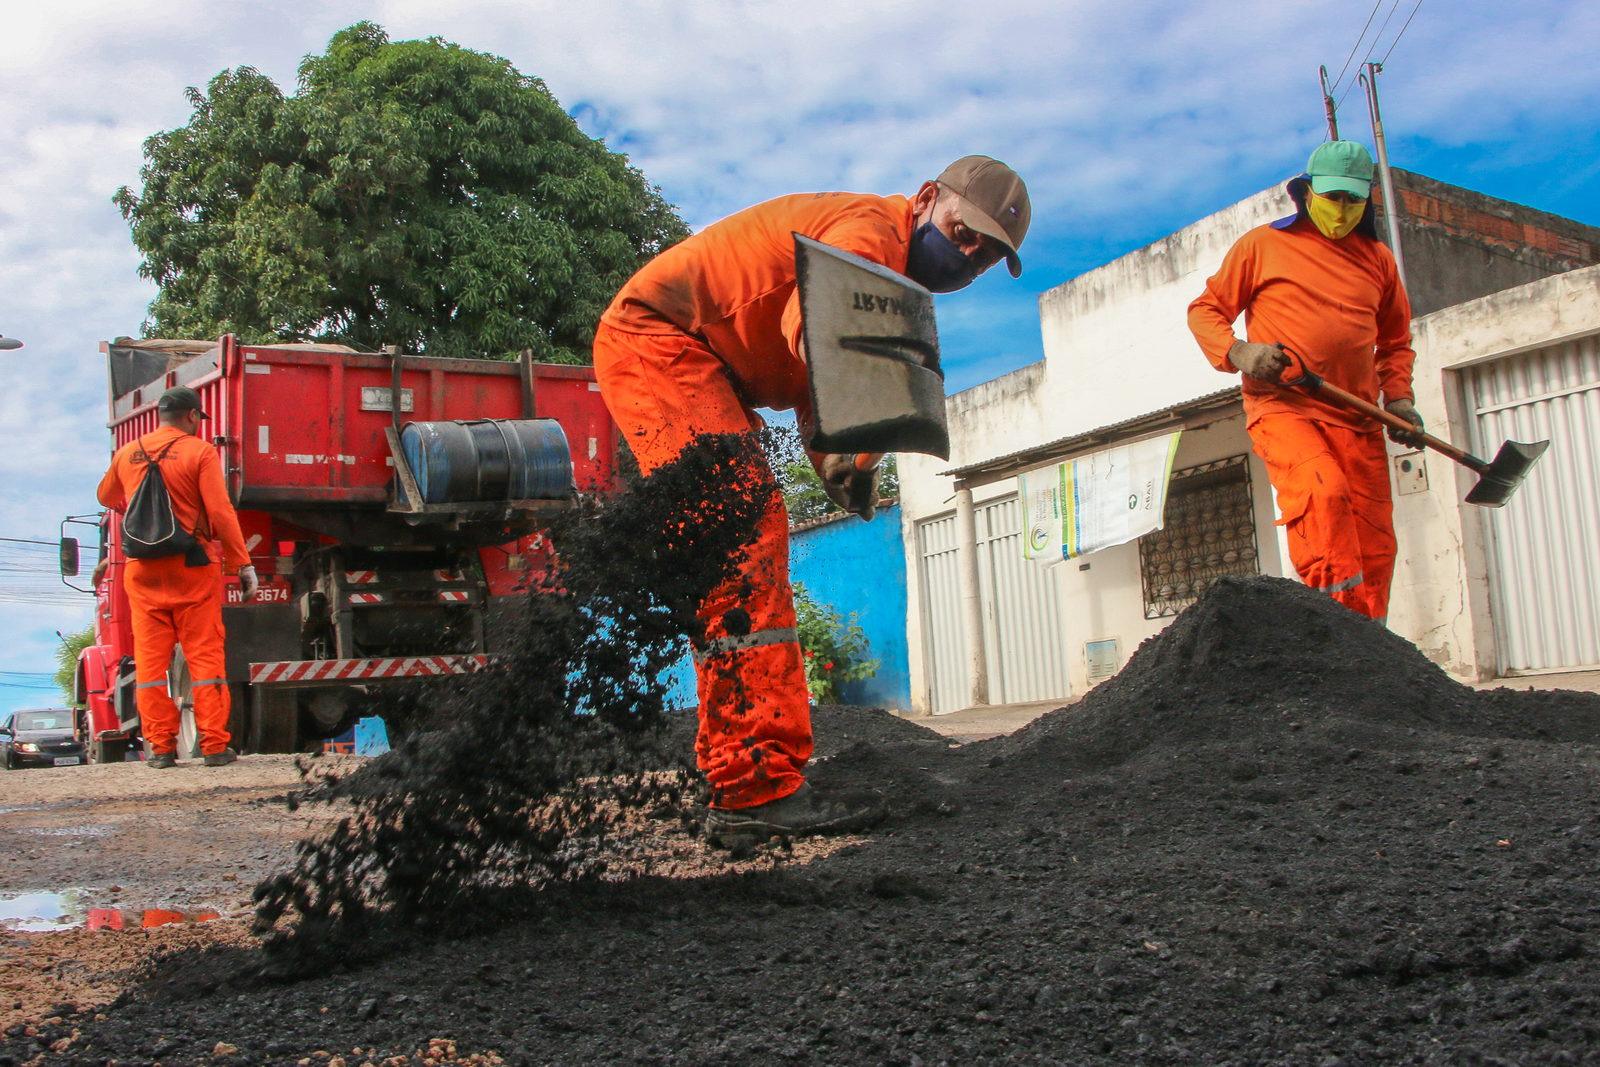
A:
x: 362, y: 671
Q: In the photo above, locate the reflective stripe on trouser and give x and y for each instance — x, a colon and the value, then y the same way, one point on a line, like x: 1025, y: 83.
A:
x: 755, y: 712
x: 177, y: 605
x: 1333, y: 493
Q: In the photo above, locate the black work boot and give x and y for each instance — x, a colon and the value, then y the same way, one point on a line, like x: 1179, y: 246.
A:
x: 221, y: 759
x: 805, y: 811
x: 160, y: 761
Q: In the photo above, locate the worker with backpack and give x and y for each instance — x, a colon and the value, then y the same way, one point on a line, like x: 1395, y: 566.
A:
x: 169, y: 486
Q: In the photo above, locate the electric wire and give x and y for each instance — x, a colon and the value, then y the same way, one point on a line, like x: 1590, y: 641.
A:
x: 1378, y: 37
x: 1355, y: 47
x: 1401, y: 34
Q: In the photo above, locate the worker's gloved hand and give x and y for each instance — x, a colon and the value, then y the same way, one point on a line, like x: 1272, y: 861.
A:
x: 1264, y: 362
x: 1408, y: 411
x: 854, y: 490
x: 248, y: 582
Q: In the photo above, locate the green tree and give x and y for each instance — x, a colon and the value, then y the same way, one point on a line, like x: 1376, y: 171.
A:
x: 409, y: 192
x: 67, y: 659
x: 802, y: 486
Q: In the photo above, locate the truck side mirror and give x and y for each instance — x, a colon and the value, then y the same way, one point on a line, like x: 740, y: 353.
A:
x: 69, y: 557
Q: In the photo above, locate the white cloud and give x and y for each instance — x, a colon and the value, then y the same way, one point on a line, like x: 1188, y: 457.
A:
x: 1127, y: 119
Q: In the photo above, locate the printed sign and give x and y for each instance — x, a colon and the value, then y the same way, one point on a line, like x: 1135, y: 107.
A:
x: 1096, y: 501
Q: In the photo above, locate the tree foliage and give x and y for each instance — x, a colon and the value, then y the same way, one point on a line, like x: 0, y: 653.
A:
x: 412, y: 192
x: 67, y: 659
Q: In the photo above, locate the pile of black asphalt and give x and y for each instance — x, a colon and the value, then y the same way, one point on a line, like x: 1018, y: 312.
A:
x: 1279, y: 836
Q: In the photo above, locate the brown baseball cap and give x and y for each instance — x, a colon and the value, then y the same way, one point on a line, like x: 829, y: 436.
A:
x: 993, y: 201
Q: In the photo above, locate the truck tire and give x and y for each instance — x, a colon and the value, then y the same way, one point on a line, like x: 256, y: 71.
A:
x: 238, y: 715
x: 180, y: 685
x: 109, y: 750
x: 274, y: 719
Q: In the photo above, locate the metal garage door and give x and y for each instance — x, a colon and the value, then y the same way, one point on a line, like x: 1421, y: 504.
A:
x: 1543, y: 547
x: 1021, y: 612
x: 944, y: 648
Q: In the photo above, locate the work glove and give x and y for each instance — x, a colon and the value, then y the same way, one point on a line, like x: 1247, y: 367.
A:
x: 1263, y: 362
x: 1408, y: 411
x: 856, y: 491
x: 248, y: 582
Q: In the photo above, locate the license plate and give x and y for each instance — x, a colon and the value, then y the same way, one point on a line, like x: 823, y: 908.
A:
x: 68, y: 761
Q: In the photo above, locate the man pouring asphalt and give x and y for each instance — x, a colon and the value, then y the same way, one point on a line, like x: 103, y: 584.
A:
x: 169, y: 486
x: 1319, y: 288
x: 707, y: 332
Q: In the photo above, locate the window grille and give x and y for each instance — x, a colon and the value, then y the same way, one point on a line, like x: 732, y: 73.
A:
x: 1210, y: 533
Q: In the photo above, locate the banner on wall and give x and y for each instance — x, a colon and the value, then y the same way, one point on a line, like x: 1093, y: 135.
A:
x: 1096, y: 501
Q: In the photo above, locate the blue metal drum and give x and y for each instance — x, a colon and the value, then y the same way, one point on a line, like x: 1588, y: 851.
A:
x: 488, y: 459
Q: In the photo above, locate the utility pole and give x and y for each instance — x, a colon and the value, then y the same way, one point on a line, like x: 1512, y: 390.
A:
x: 1390, y: 204
x: 1329, y: 106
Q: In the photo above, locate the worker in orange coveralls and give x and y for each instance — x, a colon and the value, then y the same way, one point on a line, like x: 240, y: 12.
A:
x: 178, y: 599
x: 1321, y: 286
x: 701, y: 336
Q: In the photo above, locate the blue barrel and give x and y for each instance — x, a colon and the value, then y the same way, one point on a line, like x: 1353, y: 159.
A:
x: 488, y: 459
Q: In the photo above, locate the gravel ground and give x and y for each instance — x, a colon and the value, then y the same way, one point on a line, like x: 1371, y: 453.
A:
x: 192, y: 839
x: 1280, y: 836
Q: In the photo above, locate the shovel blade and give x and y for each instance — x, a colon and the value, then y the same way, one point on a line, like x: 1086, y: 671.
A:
x: 1510, y: 466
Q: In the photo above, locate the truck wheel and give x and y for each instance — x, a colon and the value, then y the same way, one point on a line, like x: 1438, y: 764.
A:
x: 180, y: 684
x: 238, y: 715
x: 327, y: 713
x: 274, y: 719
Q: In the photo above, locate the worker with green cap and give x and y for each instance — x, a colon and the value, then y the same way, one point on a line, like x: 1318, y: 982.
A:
x: 1320, y: 285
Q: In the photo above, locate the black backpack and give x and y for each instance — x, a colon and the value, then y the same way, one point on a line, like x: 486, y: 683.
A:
x: 150, y: 528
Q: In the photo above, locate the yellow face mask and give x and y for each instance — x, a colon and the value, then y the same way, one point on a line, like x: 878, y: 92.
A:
x: 1333, y: 218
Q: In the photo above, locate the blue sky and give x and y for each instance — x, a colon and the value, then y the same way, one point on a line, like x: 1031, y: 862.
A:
x: 1128, y: 119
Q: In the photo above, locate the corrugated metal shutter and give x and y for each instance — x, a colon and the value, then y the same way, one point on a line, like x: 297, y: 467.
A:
x: 944, y: 648
x: 1544, y: 547
x: 1021, y: 612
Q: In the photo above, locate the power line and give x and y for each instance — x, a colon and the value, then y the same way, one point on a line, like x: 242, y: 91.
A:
x: 1377, y: 38
x: 1401, y: 34
x: 1356, y: 46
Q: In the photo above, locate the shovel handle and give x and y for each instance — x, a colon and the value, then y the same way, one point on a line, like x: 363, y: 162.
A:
x: 1314, y: 383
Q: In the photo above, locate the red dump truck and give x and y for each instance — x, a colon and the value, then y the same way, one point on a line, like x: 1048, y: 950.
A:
x: 392, y: 539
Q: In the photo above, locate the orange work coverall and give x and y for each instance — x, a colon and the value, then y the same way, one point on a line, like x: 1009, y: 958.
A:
x: 701, y: 336
x: 1340, y: 306
x: 174, y: 604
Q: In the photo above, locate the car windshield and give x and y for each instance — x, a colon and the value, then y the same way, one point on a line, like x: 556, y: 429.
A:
x: 42, y: 720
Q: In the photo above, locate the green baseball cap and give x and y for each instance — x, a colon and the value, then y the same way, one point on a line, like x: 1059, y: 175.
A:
x: 1341, y: 166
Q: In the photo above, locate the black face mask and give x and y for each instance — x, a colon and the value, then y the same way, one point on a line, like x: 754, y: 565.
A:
x: 937, y: 263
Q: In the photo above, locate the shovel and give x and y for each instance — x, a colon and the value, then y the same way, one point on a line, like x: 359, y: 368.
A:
x: 1497, y: 480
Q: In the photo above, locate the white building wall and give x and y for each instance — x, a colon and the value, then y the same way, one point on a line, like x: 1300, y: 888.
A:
x: 1117, y: 340
x: 1440, y: 596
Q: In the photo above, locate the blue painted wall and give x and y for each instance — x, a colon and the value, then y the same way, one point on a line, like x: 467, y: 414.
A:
x: 852, y: 566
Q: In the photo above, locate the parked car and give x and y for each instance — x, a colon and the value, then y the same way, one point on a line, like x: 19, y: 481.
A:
x: 40, y: 737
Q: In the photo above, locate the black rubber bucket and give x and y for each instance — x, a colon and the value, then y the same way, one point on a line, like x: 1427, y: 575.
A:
x: 489, y: 459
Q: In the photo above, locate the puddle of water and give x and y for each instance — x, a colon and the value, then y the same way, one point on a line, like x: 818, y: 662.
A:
x: 70, y: 831
x: 36, y: 913
x: 41, y: 912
